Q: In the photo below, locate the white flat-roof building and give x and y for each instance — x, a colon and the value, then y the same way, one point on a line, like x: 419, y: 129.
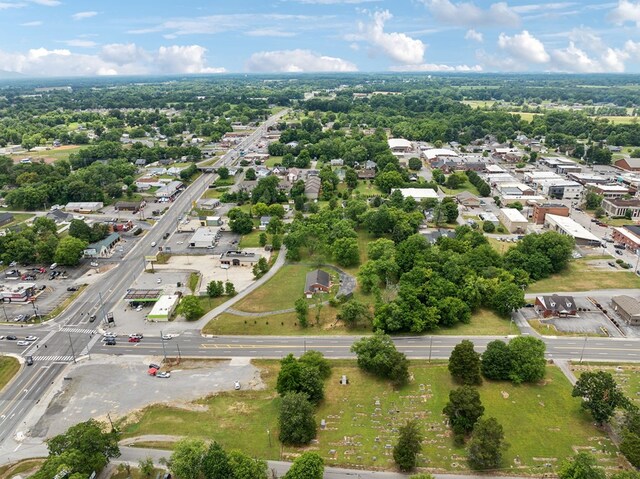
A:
x: 164, y: 307
x: 495, y: 178
x: 533, y: 176
x: 560, y: 189
x: 524, y: 199
x: 513, y: 220
x: 608, y: 191
x: 417, y: 193
x: 204, y: 237
x: 169, y: 190
x: 494, y: 169
x: 399, y: 145
x: 490, y: 217
x: 84, y: 206
x: 569, y: 227
x: 433, y: 153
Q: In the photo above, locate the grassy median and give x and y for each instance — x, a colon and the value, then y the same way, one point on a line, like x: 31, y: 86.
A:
x: 8, y: 368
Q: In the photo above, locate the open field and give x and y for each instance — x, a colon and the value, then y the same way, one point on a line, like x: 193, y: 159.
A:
x: 542, y: 422
x: 500, y: 246
x: 621, y: 119
x: 252, y: 240
x: 60, y: 153
x: 617, y: 221
x: 479, y: 103
x: 525, y: 115
x: 580, y: 276
x: 211, y: 193
x: 19, y: 218
x: 9, y: 366
x: 273, y: 161
x: 466, y: 186
x: 483, y: 323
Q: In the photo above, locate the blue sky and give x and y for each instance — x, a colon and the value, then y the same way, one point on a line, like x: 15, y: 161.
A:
x: 87, y: 37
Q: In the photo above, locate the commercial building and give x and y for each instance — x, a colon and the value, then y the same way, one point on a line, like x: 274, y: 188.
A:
x: 628, y: 235
x: 204, y: 237
x: 629, y: 164
x: 169, y: 191
x: 490, y: 217
x: 239, y: 258
x: 513, y: 220
x: 560, y: 189
x: 555, y: 305
x: 628, y: 309
x: 164, y: 307
x: 608, y: 191
x: 399, y: 145
x: 619, y: 207
x: 541, y: 210
x: 84, y: 206
x: 468, y: 199
x: 417, y: 193
x: 102, y: 248
x: 129, y: 206
x: 584, y: 178
x: 569, y: 227
x: 17, y: 293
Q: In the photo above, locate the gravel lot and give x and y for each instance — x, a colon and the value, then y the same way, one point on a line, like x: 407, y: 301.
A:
x: 117, y: 385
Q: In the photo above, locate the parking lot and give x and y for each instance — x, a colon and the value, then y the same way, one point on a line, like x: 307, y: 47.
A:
x: 178, y: 243
x: 90, y: 392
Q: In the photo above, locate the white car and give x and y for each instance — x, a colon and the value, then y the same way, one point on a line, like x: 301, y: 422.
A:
x: 136, y: 335
x: 1, y: 337
x: 23, y: 343
x: 236, y: 385
x: 31, y: 338
x: 109, y: 334
x: 163, y: 374
x: 139, y: 308
x: 166, y: 337
x: 180, y: 242
x: 159, y: 280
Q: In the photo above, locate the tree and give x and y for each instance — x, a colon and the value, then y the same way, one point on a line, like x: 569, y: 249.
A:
x: 496, y: 361
x: 415, y: 164
x: 250, y: 174
x: 276, y: 242
x: 351, y: 178
x: 69, y: 251
x: 528, y: 363
x: 463, y: 410
x: 223, y: 172
x: 486, y: 445
x: 507, y: 298
x: 191, y: 308
x: 453, y: 310
x: 488, y: 227
x: 315, y: 359
x: 630, y: 447
x: 245, y: 467
x: 593, y: 200
x: 346, y: 252
x: 406, y: 450
x: 215, y: 463
x: 296, y: 420
x: 81, y: 230
x: 260, y: 268
x: 378, y: 355
x: 599, y: 212
x: 229, y: 288
x: 438, y: 176
x: 295, y: 376
x: 307, y: 466
x: 456, y: 180
x: 582, y: 466
x: 464, y: 363
x: 275, y: 226
x: 241, y: 223
x: 146, y: 466
x: 600, y: 395
x: 262, y: 239
x: 353, y: 312
x: 302, y: 312
x: 186, y: 459
x: 215, y: 289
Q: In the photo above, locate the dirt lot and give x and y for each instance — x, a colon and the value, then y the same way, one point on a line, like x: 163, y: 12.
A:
x: 119, y: 385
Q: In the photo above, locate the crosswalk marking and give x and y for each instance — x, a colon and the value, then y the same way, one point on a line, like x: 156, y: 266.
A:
x: 78, y: 330
x: 65, y: 359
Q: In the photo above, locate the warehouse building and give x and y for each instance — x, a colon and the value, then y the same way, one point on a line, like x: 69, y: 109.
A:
x: 513, y: 220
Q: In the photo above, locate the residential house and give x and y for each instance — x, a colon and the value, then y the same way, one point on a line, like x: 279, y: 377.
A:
x: 280, y: 170
x: 141, y: 162
x: 59, y: 216
x: 293, y: 175
x: 337, y: 162
x: 366, y: 174
x: 5, y: 218
x: 264, y: 222
x: 247, y: 185
x: 628, y: 309
x: 370, y: 165
x: 262, y: 172
x: 435, y: 235
x: 556, y: 305
x: 317, y: 281
x: 312, y: 187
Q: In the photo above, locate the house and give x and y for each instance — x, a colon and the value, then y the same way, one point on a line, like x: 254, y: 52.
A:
x: 540, y: 211
x: 293, y: 175
x: 468, y: 199
x: 619, y: 207
x: 262, y: 172
x: 239, y: 258
x: 629, y: 164
x: 556, y: 305
x: 513, y: 220
x: 140, y: 162
x: 5, y: 218
x: 337, y: 162
x: 434, y: 236
x: 59, y: 216
x: 312, y: 187
x: 370, y: 165
x: 628, y: 309
x: 317, y: 281
x: 366, y: 174
x: 264, y: 222
x: 102, y: 248
x: 280, y: 170
x: 247, y: 185
x: 134, y: 206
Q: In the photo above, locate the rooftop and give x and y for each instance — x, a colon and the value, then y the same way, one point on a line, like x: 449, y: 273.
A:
x: 513, y: 215
x: 571, y: 228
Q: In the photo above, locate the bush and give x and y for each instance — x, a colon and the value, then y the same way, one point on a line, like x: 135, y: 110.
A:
x: 488, y: 227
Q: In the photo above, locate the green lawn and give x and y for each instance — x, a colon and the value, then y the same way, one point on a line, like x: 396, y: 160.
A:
x: 367, y: 189
x: 500, y: 246
x: 627, y: 376
x: 212, y: 193
x: 542, y: 422
x: 20, y: 467
x: 273, y: 161
x: 19, y: 218
x: 617, y: 221
x: 483, y: 323
x: 61, y: 153
x: 280, y: 292
x: 8, y: 368
x: 252, y: 240
x: 466, y: 186
x: 580, y: 276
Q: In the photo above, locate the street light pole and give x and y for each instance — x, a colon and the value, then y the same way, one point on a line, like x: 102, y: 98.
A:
x: 73, y: 354
x: 104, y: 315
x: 164, y: 351
x: 583, y: 346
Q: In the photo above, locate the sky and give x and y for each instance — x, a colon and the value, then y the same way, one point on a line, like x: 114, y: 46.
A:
x: 139, y: 37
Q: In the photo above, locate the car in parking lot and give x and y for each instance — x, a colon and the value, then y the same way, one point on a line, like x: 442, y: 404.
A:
x: 619, y: 252
x: 20, y: 317
x: 236, y: 385
x: 163, y: 374
x: 31, y: 338
x: 139, y: 308
x: 92, y: 318
x: 159, y: 280
x: 153, y: 366
x: 23, y: 343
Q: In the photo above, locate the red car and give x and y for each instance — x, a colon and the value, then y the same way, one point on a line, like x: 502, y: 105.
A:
x: 134, y: 340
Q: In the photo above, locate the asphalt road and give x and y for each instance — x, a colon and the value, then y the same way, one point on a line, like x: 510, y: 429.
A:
x: 71, y: 334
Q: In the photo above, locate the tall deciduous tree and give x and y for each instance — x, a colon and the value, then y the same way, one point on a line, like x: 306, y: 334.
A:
x: 296, y: 420
x: 191, y: 308
x: 378, y: 355
x: 186, y: 459
x: 308, y: 466
x: 245, y: 467
x: 528, y: 363
x: 600, y: 395
x: 496, y: 361
x: 69, y: 251
x: 486, y: 445
x: 463, y: 410
x: 405, y: 452
x: 464, y: 363
x: 582, y: 466
x: 215, y: 463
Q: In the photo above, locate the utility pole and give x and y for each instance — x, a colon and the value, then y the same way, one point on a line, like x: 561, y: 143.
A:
x: 583, y: 346
x: 430, y: 346
x: 5, y: 313
x: 164, y: 351
x: 104, y: 315
x: 72, y: 352
x: 179, y: 354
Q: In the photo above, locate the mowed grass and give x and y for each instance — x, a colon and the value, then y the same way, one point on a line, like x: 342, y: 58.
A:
x: 483, y: 323
x: 61, y: 153
x: 20, y: 467
x: 542, y: 422
x: 280, y: 292
x: 252, y: 240
x: 9, y: 366
x: 621, y: 120
x: 500, y: 246
x: 466, y: 186
x: 580, y: 276
x: 626, y: 375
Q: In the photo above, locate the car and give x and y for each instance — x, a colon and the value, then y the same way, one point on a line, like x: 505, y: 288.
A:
x: 163, y: 374
x: 42, y: 288
x: 210, y: 246
x: 11, y: 337
x: 136, y: 335
x: 23, y: 343
x: 29, y: 360
x: 236, y: 385
x: 166, y: 337
x: 1, y: 337
x: 92, y: 318
x: 111, y: 342
x: 13, y: 263
x: 109, y: 334
x: 139, y: 308
x: 619, y: 252
x: 31, y: 338
x: 166, y: 235
x: 180, y: 242
x: 159, y: 280
x: 134, y: 340
x: 20, y: 317
x: 612, y: 264
x: 72, y: 288
x: 153, y: 244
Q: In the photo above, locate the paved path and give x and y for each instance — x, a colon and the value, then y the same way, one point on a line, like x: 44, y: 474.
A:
x: 585, y: 294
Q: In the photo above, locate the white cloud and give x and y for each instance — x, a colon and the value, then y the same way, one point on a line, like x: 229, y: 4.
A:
x: 35, y: 23
x: 334, y: 2
x: 47, y: 3
x: 473, y: 35
x: 270, y: 32
x: 397, y: 46
x: 296, y: 61
x: 468, y: 14
x: 80, y: 43
x: 83, y: 15
x: 432, y: 67
x: 114, y: 59
x: 7, y: 5
x: 536, y: 7
x: 625, y: 11
x: 524, y: 46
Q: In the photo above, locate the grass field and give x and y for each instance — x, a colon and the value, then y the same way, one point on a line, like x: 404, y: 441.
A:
x: 500, y: 246
x: 20, y: 467
x: 483, y: 323
x: 466, y: 186
x: 617, y: 120
x: 543, y: 423
x: 211, y: 193
x: 8, y: 368
x: 626, y: 375
x: 61, y: 153
x: 617, y: 221
x: 479, y: 103
x: 579, y: 276
x: 367, y: 189
x: 19, y: 218
x: 121, y: 473
x: 273, y: 161
x: 252, y: 240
